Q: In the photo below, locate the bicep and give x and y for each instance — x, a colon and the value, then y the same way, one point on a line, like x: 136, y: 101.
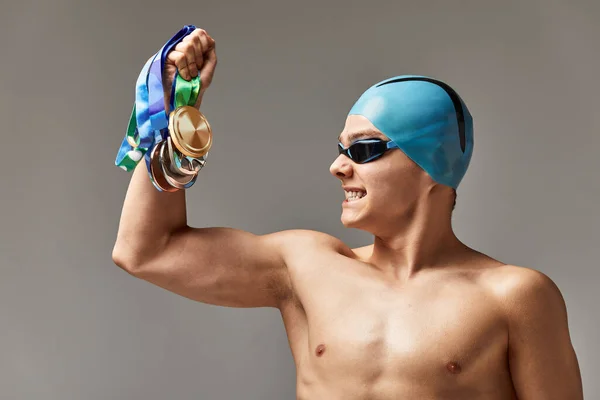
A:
x: 221, y: 266
x: 542, y: 360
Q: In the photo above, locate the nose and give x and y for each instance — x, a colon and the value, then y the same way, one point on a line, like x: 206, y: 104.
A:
x: 341, y: 167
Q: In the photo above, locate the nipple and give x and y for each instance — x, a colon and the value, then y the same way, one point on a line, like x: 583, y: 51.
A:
x: 320, y: 350
x: 453, y: 367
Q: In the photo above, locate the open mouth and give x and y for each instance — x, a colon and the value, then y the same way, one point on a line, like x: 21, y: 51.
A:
x: 352, y: 196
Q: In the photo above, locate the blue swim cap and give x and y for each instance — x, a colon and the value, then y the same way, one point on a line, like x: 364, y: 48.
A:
x: 428, y: 121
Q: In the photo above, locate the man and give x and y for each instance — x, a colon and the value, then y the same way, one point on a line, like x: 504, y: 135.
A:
x: 415, y: 315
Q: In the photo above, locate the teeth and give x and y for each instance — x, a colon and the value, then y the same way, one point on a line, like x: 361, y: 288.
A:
x: 351, y: 196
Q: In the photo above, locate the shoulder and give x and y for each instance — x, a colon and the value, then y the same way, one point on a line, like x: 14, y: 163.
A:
x: 512, y: 281
x: 525, y: 292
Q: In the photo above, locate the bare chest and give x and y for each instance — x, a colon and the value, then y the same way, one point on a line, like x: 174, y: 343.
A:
x: 438, y: 332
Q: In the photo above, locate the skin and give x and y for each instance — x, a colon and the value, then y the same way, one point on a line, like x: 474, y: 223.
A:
x: 417, y: 314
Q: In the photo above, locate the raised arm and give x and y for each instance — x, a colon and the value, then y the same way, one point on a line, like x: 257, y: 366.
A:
x: 542, y: 361
x: 221, y: 266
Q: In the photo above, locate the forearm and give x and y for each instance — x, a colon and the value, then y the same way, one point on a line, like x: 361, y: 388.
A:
x: 148, y: 219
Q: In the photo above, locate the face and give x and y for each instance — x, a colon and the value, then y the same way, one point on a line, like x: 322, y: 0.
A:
x: 380, y: 193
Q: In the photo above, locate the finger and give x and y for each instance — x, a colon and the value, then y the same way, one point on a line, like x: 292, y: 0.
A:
x: 211, y: 41
x: 208, y: 68
x: 195, y: 41
x: 190, y: 55
x: 180, y: 61
x: 207, y: 42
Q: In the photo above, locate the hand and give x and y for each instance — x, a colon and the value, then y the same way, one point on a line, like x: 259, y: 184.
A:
x: 194, y: 55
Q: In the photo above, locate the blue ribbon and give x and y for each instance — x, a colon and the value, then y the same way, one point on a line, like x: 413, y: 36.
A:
x: 149, y: 108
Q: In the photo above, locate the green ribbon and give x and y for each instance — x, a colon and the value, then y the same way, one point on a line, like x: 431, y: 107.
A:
x: 186, y: 94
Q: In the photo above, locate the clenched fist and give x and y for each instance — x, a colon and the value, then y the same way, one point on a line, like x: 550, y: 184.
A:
x: 194, y: 55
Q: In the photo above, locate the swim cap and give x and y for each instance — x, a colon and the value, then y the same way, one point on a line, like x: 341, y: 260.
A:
x: 428, y: 121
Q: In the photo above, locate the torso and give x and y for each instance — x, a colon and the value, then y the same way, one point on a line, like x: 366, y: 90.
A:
x: 356, y: 335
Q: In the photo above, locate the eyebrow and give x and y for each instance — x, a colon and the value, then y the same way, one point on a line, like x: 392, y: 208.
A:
x: 362, y: 134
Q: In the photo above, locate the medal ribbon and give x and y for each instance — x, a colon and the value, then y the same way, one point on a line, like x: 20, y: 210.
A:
x: 149, y: 120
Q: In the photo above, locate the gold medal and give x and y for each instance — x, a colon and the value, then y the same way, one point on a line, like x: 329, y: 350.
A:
x: 190, y: 131
x: 156, y: 170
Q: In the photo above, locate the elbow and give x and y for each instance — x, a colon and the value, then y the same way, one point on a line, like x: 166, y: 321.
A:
x: 134, y: 254
x: 125, y: 259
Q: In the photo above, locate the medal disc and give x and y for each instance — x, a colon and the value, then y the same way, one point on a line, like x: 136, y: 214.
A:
x: 156, y: 170
x: 190, y: 131
x: 179, y: 181
x: 171, y: 175
x: 183, y: 164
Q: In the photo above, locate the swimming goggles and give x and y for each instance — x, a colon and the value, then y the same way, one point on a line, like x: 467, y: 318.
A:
x: 363, y: 151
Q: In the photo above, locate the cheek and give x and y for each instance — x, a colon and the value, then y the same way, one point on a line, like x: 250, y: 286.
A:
x: 384, y: 189
x: 392, y: 187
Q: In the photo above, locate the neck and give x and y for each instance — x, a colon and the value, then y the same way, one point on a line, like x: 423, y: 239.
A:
x: 424, y: 239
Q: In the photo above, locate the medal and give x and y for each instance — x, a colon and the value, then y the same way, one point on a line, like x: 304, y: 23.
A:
x: 172, y: 176
x: 176, y: 155
x: 183, y: 164
x: 156, y: 170
x: 190, y: 131
x: 180, y: 181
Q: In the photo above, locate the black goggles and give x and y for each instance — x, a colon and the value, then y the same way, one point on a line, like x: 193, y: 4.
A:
x: 366, y: 150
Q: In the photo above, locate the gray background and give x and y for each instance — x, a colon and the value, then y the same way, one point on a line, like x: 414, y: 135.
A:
x: 75, y: 326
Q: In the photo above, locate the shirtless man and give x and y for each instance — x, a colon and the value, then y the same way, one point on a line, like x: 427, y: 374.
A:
x: 415, y: 315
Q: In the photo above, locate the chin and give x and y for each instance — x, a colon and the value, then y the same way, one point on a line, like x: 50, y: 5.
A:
x: 364, y: 220
x: 352, y: 221
x: 348, y: 224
